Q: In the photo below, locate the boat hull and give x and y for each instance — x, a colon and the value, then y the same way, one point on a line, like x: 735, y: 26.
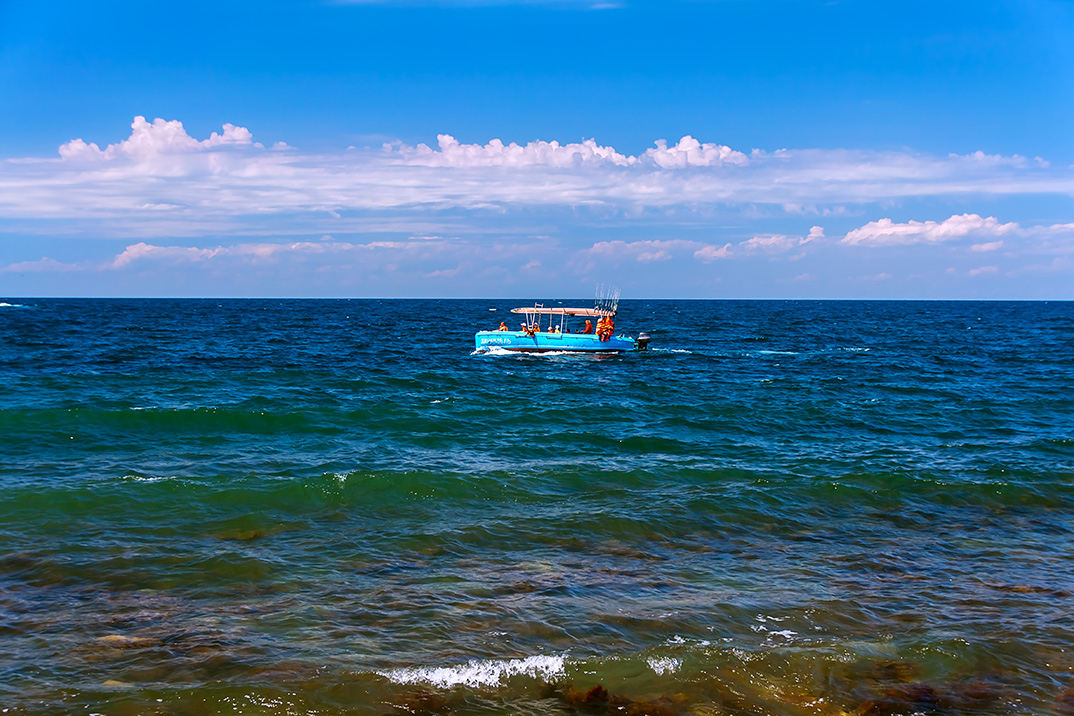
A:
x: 521, y: 342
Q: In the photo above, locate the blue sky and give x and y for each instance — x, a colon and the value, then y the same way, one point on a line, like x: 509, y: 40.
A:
x: 712, y: 148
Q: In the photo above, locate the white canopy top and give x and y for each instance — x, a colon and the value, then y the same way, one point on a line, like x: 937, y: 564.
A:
x: 557, y: 311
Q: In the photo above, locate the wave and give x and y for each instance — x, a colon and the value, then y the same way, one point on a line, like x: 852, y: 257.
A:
x: 478, y: 673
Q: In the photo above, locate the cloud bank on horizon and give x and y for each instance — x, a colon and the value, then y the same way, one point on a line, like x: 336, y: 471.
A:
x: 496, y: 218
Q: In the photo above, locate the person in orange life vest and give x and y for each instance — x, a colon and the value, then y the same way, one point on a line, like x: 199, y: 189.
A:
x: 503, y: 327
x: 605, y: 328
x: 588, y: 326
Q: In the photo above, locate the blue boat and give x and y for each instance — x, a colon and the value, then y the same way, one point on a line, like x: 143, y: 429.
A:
x: 547, y: 330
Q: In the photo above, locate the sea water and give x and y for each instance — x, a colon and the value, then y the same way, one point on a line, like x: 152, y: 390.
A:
x: 335, y: 507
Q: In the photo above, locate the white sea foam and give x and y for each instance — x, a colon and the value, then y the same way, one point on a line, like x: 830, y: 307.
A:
x: 497, y: 351
x: 131, y: 477
x: 486, y: 672
x: 4, y: 304
x: 664, y: 664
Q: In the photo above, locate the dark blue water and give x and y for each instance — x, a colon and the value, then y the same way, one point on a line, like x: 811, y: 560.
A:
x: 334, y: 507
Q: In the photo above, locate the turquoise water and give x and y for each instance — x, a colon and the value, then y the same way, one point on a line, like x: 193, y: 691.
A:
x: 333, y: 507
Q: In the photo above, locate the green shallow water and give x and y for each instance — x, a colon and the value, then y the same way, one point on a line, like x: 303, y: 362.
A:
x: 258, y: 507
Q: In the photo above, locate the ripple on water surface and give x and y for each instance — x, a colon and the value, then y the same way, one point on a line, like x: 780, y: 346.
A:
x: 785, y: 507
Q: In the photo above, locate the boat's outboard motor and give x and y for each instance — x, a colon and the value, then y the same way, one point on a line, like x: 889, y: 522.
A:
x: 643, y: 341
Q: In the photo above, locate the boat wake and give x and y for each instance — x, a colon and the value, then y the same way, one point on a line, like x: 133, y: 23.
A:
x: 497, y: 351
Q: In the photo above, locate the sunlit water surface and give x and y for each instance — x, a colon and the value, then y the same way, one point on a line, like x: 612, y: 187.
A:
x: 334, y: 507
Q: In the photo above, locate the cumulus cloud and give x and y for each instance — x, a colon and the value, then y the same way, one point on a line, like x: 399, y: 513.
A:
x: 1055, y: 238
x: 691, y: 153
x: 451, y: 153
x: 688, y: 152
x: 162, y: 182
x: 150, y: 139
x: 885, y: 232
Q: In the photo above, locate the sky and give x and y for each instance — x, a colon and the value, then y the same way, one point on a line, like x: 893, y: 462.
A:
x: 534, y: 149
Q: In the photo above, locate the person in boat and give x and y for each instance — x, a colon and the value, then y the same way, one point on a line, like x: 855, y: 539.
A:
x: 503, y: 326
x: 605, y: 328
x: 588, y: 326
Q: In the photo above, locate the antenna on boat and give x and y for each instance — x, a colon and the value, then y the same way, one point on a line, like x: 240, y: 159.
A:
x: 607, y: 298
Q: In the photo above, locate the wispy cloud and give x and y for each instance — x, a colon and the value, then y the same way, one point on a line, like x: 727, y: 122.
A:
x: 642, y: 251
x: 160, y: 181
x: 41, y: 265
x: 711, y: 253
x: 778, y: 243
x: 503, y: 214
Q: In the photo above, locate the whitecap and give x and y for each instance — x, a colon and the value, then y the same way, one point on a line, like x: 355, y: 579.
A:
x: 664, y: 664
x: 484, y: 672
x: 678, y: 640
x: 132, y: 477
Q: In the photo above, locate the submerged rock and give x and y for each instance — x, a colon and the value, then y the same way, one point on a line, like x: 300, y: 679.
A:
x: 121, y: 641
x: 1064, y: 702
x: 597, y: 700
x: 422, y: 703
